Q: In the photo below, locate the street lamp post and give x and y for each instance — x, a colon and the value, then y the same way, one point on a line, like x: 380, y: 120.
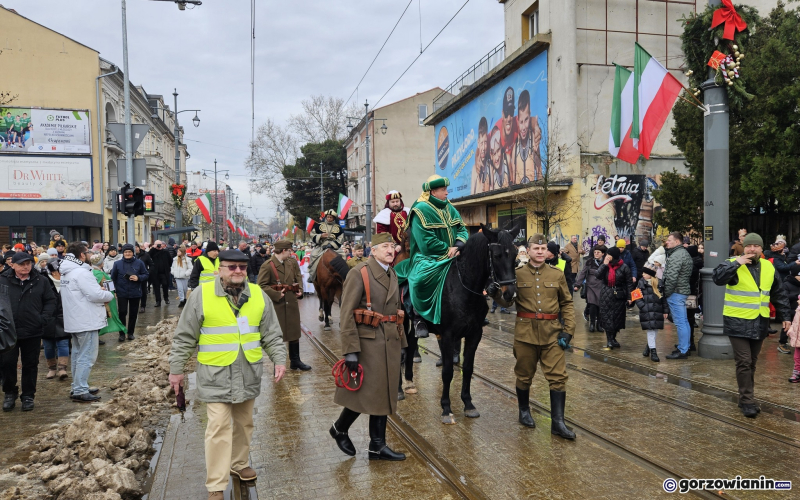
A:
x: 368, y: 204
x: 216, y: 197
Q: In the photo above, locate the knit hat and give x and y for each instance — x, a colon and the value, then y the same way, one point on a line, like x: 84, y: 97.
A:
x: 127, y: 246
x: 8, y: 254
x: 96, y: 258
x: 19, y: 247
x: 553, y: 247
x: 52, y: 252
x: 620, y: 243
x: 644, y: 242
x: 61, y: 243
x: 614, y: 253
x: 53, y: 232
x: 752, y: 239
x: 211, y: 246
x: 648, y: 271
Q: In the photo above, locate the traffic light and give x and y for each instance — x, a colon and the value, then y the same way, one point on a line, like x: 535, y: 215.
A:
x: 149, y: 203
x: 132, y: 200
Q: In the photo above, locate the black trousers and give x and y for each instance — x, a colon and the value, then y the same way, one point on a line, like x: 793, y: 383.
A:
x: 745, y: 352
x: 594, y: 312
x: 161, y: 282
x: 28, y: 349
x: 128, y: 308
x: 143, y: 302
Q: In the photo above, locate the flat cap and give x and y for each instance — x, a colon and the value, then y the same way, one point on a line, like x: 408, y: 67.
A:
x: 233, y: 256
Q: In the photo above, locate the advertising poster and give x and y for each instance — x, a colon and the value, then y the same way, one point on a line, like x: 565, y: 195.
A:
x: 496, y: 140
x: 54, y: 131
x: 41, y: 178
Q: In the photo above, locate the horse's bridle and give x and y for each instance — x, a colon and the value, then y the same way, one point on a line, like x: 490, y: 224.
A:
x: 492, y: 275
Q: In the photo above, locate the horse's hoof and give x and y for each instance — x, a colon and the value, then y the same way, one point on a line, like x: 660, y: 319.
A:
x: 321, y: 318
x: 448, y: 419
x: 401, y: 396
x: 327, y: 328
x: 473, y: 413
x: 410, y: 388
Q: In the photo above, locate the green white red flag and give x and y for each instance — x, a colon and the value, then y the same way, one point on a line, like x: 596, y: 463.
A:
x: 205, y: 205
x: 344, y: 205
x: 620, y: 143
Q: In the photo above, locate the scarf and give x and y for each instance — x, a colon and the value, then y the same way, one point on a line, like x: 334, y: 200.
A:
x: 612, y: 272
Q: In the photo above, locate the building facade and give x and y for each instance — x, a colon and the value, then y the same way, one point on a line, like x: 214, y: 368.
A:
x: 400, y: 159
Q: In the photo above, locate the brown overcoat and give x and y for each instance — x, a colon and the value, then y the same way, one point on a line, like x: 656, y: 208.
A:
x: 575, y: 254
x: 378, y: 348
x: 286, y: 307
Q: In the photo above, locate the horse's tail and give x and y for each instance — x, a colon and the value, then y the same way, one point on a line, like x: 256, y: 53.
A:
x: 340, y: 266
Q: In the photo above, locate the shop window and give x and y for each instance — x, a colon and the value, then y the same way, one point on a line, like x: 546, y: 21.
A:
x: 18, y: 235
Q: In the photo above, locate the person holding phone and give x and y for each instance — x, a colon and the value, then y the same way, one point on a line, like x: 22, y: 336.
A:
x: 128, y: 274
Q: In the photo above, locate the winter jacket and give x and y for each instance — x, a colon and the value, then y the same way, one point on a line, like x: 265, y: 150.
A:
x: 627, y: 259
x: 781, y: 261
x: 181, y: 272
x: 639, y: 257
x: 81, y: 297
x: 792, y: 285
x: 256, y: 261
x: 594, y: 286
x: 754, y: 329
x: 651, y: 307
x: 612, y: 310
x: 162, y: 262
x: 172, y: 248
x: 146, y: 260
x: 55, y: 330
x: 678, y: 272
x: 574, y: 251
x: 194, y: 254
x: 108, y: 263
x: 32, y: 302
x: 126, y: 288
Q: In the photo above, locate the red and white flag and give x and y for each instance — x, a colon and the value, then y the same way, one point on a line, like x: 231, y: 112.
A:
x: 654, y: 94
x: 231, y: 225
x: 309, y: 224
x: 205, y: 206
x: 620, y: 143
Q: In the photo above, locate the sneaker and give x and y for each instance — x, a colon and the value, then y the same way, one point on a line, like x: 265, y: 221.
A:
x: 783, y: 349
x: 85, y: 398
x: 678, y: 355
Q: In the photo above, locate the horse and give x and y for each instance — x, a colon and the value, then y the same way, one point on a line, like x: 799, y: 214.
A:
x: 487, y: 257
x: 407, y: 360
x: 331, y: 273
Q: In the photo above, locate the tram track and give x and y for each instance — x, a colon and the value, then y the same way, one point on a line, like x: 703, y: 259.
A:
x: 441, y: 467
x: 599, y: 438
x: 780, y: 438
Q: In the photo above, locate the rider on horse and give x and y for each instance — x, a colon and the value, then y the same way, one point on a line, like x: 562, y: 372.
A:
x: 437, y: 235
x: 325, y: 235
x: 392, y: 219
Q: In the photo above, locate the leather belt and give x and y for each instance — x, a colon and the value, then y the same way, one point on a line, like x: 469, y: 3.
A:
x: 527, y: 315
x: 389, y: 319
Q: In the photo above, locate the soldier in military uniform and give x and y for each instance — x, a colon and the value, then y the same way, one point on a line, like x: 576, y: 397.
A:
x: 542, y: 294
x: 275, y: 277
x: 377, y: 349
x: 358, y: 257
x: 325, y: 235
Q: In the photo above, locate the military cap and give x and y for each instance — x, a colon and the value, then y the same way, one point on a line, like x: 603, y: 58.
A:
x: 283, y: 245
x: 233, y: 256
x: 379, y: 238
x: 537, y: 239
x: 358, y: 247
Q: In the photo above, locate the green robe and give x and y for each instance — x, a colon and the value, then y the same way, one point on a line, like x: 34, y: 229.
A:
x: 435, y: 227
x: 114, y: 323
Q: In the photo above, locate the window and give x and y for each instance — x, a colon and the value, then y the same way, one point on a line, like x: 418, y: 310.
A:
x: 423, y: 113
x: 19, y: 235
x: 533, y: 24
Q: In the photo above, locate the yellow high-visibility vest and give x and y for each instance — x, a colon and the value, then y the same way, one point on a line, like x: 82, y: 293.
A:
x: 209, y: 268
x: 220, y: 338
x: 561, y: 264
x: 746, y: 299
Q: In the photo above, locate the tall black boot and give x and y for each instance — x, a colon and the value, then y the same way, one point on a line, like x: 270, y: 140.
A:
x: 609, y: 345
x: 614, y: 342
x: 557, y: 401
x: 523, y: 401
x: 339, y: 431
x: 294, y: 357
x: 377, y: 440
x: 592, y: 326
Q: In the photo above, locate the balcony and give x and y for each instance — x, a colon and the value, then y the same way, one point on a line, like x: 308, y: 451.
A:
x: 472, y: 75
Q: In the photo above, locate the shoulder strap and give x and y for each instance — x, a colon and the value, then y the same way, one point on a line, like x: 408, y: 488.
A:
x: 274, y: 270
x: 365, y: 277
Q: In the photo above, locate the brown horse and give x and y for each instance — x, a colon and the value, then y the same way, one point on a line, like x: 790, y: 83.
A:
x: 331, y: 273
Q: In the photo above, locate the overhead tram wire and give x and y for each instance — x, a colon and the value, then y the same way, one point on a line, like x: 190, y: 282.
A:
x: 379, y: 52
x: 420, y: 54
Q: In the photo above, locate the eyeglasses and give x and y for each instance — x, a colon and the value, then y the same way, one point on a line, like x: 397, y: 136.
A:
x: 234, y: 267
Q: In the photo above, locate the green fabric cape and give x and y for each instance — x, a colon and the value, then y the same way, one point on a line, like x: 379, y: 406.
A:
x: 435, y: 226
x: 114, y: 324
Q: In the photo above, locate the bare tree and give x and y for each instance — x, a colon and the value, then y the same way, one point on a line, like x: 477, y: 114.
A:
x: 275, y: 147
x: 323, y: 118
x: 545, y: 199
x: 6, y: 97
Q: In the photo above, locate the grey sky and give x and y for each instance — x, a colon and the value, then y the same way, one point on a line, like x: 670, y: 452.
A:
x: 303, y: 47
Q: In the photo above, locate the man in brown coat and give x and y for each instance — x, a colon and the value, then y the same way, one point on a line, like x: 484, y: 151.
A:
x: 278, y: 272
x: 377, y: 349
x: 575, y: 251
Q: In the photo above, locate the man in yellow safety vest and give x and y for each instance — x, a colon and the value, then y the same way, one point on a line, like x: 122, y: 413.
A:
x: 751, y: 283
x: 205, y: 267
x: 228, y: 321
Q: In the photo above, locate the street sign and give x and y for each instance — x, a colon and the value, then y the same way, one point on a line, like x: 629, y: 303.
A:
x: 139, y: 172
x: 138, y: 133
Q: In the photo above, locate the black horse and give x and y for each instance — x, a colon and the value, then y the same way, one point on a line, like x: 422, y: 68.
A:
x: 487, y: 257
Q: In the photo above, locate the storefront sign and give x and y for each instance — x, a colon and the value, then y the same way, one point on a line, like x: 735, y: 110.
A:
x: 39, y: 178
x: 45, y: 131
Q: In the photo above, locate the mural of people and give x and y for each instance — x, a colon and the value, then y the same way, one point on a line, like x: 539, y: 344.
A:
x: 499, y: 176
x: 480, y: 173
x: 526, y: 159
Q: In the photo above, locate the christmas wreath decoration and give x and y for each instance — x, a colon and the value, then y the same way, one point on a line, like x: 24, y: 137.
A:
x: 178, y: 194
x: 717, y: 38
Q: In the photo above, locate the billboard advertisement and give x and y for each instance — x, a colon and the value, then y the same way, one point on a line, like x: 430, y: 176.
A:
x: 37, y: 130
x: 496, y: 140
x: 45, y: 178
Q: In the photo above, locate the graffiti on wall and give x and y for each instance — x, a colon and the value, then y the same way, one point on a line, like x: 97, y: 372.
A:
x: 622, y: 205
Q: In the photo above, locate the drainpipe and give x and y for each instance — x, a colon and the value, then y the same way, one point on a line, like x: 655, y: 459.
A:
x: 100, y: 154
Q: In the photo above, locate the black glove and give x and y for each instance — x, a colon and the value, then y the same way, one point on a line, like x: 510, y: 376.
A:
x: 351, y: 361
x: 564, y: 339
x: 492, y: 289
x: 460, y: 245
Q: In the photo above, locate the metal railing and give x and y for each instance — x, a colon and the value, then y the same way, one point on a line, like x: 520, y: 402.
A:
x: 472, y: 75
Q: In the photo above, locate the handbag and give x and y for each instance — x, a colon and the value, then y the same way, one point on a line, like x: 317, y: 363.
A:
x: 691, y: 302
x: 619, y: 294
x: 584, y: 290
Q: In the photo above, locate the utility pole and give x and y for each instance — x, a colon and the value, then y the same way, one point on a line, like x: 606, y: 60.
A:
x: 713, y: 343
x: 216, y: 204
x: 368, y: 205
x: 178, y: 211
x: 130, y: 234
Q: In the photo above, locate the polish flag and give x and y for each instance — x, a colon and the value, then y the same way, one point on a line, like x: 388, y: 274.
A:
x: 205, y: 206
x: 231, y: 225
x: 309, y: 224
x: 344, y: 205
x: 654, y: 94
x: 620, y: 143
